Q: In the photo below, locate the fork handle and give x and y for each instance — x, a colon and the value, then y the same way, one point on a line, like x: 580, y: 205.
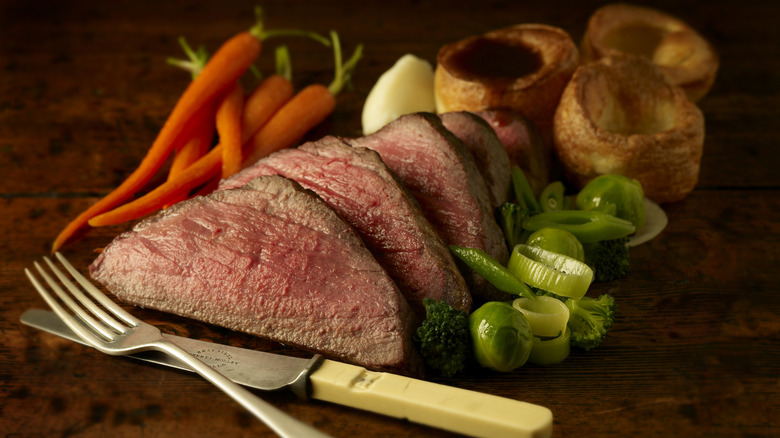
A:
x: 277, y: 420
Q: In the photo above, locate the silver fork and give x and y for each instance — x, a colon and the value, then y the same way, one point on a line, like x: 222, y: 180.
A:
x: 112, y: 330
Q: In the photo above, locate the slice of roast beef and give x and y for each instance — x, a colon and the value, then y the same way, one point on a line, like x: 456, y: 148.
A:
x: 440, y: 173
x: 271, y: 259
x: 524, y: 145
x: 489, y: 153
x: 360, y: 187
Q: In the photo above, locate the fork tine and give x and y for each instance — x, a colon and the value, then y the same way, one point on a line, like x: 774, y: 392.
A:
x: 84, y: 300
x: 96, y: 293
x: 67, y: 317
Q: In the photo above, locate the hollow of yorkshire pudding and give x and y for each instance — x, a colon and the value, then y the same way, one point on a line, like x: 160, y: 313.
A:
x: 523, y: 68
x: 620, y: 115
x: 683, y: 55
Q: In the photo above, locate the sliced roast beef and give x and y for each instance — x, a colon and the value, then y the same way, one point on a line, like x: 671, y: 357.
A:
x: 441, y: 174
x: 524, y: 145
x: 360, y: 187
x: 489, y: 153
x: 269, y: 258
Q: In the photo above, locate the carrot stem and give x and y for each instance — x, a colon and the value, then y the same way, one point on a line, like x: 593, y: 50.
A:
x: 304, y: 111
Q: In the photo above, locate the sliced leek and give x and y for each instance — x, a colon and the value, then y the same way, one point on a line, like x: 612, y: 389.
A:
x: 550, y: 271
x: 547, y: 316
x: 551, y: 351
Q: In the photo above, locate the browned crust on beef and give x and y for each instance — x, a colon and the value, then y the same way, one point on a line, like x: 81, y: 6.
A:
x: 439, y: 171
x: 271, y: 259
x: 360, y: 187
x: 489, y: 153
x: 523, y: 144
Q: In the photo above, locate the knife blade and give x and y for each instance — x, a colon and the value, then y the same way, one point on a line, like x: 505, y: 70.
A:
x: 432, y: 404
x: 255, y: 369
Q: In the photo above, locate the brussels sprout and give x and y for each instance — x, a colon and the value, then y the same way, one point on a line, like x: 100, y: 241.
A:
x: 501, y: 335
x: 614, y: 194
x: 557, y: 240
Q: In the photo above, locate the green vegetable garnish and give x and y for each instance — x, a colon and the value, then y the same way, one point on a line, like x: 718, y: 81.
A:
x: 550, y: 271
x: 609, y: 259
x: 510, y: 218
x: 523, y: 192
x: 444, y: 338
x: 552, y: 197
x: 501, y: 336
x: 493, y: 271
x: 614, y: 194
x: 557, y: 240
x: 587, y: 225
x: 547, y: 316
x: 590, y: 320
x: 550, y: 351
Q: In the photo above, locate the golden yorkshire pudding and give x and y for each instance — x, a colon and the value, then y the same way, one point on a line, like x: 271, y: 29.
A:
x: 523, y: 68
x: 620, y: 115
x: 685, y: 57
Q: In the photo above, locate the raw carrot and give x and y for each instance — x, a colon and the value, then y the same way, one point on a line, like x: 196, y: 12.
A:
x: 307, y: 109
x: 264, y: 101
x: 203, y: 133
x: 196, y: 147
x: 207, y: 168
x: 228, y: 122
x: 223, y: 69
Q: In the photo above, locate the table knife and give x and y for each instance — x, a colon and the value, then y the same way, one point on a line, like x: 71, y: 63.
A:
x: 432, y: 404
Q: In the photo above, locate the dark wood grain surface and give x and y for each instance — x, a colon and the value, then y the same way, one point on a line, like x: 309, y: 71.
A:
x: 84, y: 88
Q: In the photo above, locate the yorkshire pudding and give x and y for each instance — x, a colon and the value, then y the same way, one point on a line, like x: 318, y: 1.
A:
x: 620, y: 115
x: 523, y: 68
x: 682, y: 54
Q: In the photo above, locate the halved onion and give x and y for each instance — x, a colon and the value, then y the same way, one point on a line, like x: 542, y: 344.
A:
x: 405, y: 88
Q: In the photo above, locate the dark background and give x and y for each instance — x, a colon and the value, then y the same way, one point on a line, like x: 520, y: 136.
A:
x: 84, y: 88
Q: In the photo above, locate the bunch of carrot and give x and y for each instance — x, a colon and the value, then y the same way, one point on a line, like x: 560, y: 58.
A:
x: 248, y: 128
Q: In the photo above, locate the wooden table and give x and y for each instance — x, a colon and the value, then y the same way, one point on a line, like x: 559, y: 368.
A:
x: 84, y: 89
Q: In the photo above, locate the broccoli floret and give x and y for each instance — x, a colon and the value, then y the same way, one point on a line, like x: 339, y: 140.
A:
x: 510, y: 217
x: 590, y: 319
x: 444, y: 338
x: 609, y: 259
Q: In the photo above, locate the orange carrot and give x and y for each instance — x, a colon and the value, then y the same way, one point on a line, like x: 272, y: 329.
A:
x: 228, y: 122
x: 220, y: 73
x: 208, y: 167
x: 192, y: 151
x: 203, y: 133
x: 264, y: 101
x: 303, y: 112
x: 307, y: 109
x: 196, y: 147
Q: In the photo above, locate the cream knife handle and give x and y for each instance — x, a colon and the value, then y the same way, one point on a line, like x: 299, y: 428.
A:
x: 446, y: 407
